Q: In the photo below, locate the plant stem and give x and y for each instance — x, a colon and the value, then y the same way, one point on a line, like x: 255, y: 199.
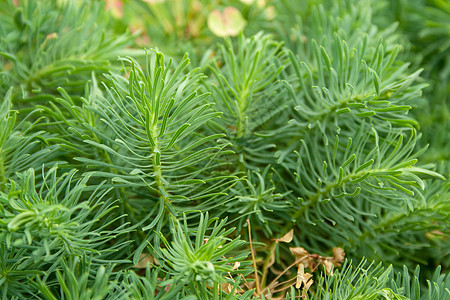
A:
x: 158, y: 172
x: 253, y: 258
x: 269, y: 261
x: 242, y: 103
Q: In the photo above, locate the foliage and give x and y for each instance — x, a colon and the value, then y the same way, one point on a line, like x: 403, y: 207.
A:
x: 51, y: 44
x: 195, y: 149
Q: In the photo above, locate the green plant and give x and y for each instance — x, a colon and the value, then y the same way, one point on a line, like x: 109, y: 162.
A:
x: 47, y: 45
x: 305, y: 157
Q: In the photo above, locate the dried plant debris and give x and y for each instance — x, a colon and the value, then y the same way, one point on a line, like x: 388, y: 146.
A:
x: 269, y: 284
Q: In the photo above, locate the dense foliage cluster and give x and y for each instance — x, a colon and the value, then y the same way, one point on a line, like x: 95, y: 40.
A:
x: 224, y: 149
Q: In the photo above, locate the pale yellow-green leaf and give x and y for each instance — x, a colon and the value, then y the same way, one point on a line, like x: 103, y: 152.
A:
x: 248, y: 2
x: 227, y: 23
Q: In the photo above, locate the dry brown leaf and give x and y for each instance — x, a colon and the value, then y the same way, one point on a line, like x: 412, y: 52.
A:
x: 226, y: 287
x: 306, y: 287
x: 338, y: 256
x: 303, y: 255
x: 236, y: 265
x: 144, y: 259
x: 51, y: 36
x: 300, y: 276
x: 303, y: 278
x: 287, y: 238
x: 328, y: 266
x: 299, y: 252
x: 435, y: 234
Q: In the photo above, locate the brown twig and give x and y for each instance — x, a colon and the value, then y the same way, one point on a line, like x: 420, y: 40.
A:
x: 246, y: 282
x: 238, y: 287
x: 286, y: 285
x: 268, y: 263
x: 253, y: 259
x: 280, y: 283
x: 284, y: 271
